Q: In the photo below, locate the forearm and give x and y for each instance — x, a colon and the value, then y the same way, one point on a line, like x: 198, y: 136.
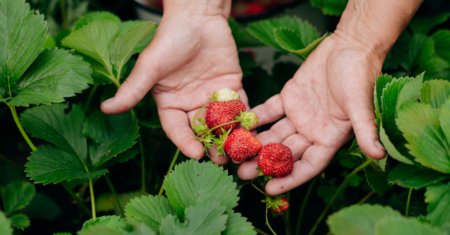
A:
x: 198, y: 7
x: 376, y: 24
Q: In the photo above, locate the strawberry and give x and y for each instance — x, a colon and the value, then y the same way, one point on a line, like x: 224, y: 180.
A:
x: 220, y: 112
x: 255, y: 8
x: 225, y: 94
x: 283, y: 207
x: 242, y: 145
x: 275, y: 160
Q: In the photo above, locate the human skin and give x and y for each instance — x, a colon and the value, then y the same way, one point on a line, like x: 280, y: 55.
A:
x: 193, y: 54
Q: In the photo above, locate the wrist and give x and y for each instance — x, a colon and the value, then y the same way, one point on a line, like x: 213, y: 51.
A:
x: 197, y: 7
x: 375, y: 25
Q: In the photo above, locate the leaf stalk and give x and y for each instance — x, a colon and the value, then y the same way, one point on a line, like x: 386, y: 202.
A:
x: 77, y: 199
x: 408, y: 201
x: 24, y: 134
x: 113, y: 191
x: 91, y: 189
x: 170, y: 169
x: 337, y: 193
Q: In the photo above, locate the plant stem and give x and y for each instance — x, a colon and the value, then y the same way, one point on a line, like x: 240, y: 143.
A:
x: 195, y: 116
x: 91, y: 95
x: 407, y: 202
x: 267, y: 221
x: 170, y: 169
x: 77, y: 199
x: 366, y: 197
x: 302, y: 210
x: 64, y: 15
x: 260, y: 231
x: 24, y: 134
x: 141, y: 147
x: 337, y: 193
x: 259, y: 190
x: 111, y: 186
x: 221, y: 125
x: 91, y: 188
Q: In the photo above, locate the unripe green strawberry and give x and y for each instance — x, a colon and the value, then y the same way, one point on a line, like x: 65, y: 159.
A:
x: 221, y: 112
x: 225, y: 94
x: 275, y: 160
x: 281, y: 208
x: 248, y: 120
x: 242, y: 145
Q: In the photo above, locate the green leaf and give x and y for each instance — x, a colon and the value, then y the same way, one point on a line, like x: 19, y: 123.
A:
x: 435, y: 68
x: 123, y: 157
x: 359, y: 219
x: 330, y: 7
x: 192, y: 182
x: 5, y: 225
x: 395, y: 94
x: 114, y: 222
x: 441, y: 40
x: 125, y: 44
x: 101, y: 229
x: 49, y: 43
x: 421, y: 49
x: 111, y: 135
x: 95, y: 16
x: 23, y: 33
x: 42, y: 207
x: 53, y: 125
x: 426, y: 141
x: 409, y: 176
x: 95, y: 41
x: 149, y: 209
x: 424, y: 25
x: 238, y: 225
x: 380, y: 84
x: 289, y: 40
x: 52, y: 165
x: 377, y: 177
x: 404, y: 226
x: 144, y: 43
x: 435, y: 92
x: 17, y: 195
x: 55, y: 74
x: 206, y: 218
x: 438, y: 199
x: 62, y: 234
x: 297, y: 30
x: 241, y: 36
x: 398, y: 55
x: 20, y: 221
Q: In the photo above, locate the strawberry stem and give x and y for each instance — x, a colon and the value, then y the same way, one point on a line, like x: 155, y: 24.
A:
x: 195, y: 116
x: 267, y: 220
x: 221, y: 125
x: 259, y: 190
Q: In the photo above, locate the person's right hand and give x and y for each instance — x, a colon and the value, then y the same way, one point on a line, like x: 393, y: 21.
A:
x: 191, y: 56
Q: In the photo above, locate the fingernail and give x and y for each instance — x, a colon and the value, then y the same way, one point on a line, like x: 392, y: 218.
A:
x: 108, y: 100
x: 379, y: 145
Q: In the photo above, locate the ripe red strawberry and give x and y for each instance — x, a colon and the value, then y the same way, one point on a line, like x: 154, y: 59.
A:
x: 242, y: 145
x: 220, y: 112
x: 275, y: 160
x: 255, y: 8
x: 282, y: 208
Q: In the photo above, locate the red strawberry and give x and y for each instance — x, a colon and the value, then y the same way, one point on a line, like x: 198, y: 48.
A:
x: 242, y: 145
x: 255, y: 8
x: 220, y: 112
x: 281, y: 208
x: 275, y: 160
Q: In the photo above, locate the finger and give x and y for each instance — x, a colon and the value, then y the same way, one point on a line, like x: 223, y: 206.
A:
x: 218, y: 159
x: 175, y: 124
x: 314, y: 161
x: 141, y: 79
x: 277, y: 134
x: 271, y: 111
x: 362, y: 118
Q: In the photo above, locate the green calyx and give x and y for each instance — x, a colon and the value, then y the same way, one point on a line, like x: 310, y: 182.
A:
x: 220, y: 142
x: 274, y: 202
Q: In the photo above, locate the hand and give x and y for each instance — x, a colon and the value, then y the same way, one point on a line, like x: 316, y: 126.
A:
x: 330, y: 93
x: 190, y: 57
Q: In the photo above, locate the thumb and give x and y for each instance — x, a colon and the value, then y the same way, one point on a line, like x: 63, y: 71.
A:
x: 141, y: 79
x: 362, y: 117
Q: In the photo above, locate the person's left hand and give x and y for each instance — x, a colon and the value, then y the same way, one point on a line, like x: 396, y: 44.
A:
x: 330, y: 93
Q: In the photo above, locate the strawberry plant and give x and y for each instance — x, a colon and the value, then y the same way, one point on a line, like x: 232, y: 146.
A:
x: 55, y: 74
